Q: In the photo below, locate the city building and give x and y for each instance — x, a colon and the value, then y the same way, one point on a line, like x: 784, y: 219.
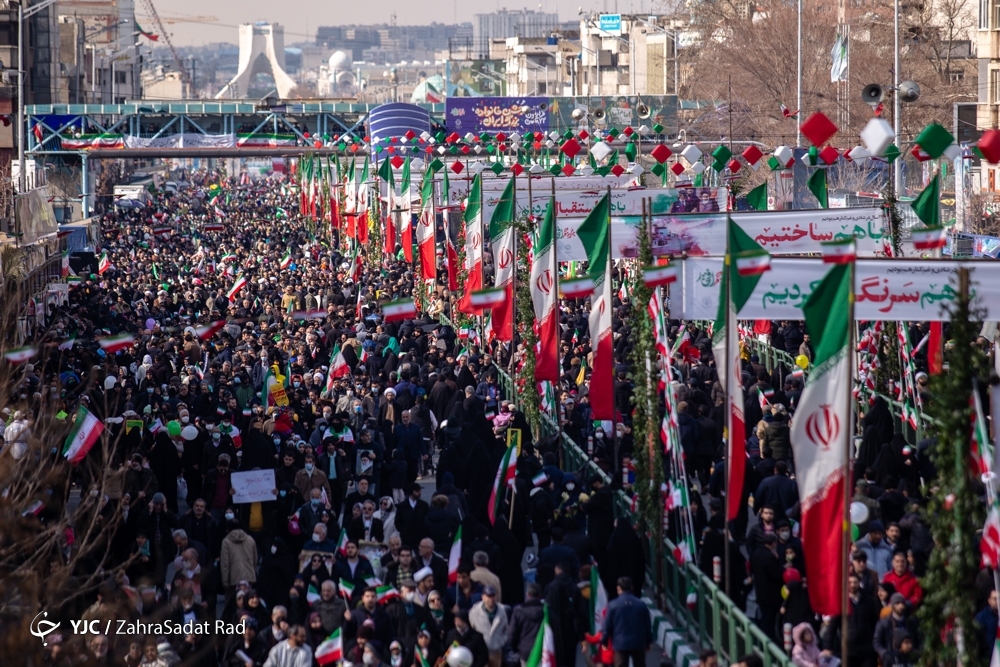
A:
x: 544, y: 66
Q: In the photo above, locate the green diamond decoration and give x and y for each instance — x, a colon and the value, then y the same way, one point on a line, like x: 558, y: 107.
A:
x: 658, y: 169
x: 773, y: 164
x: 440, y: 137
x: 891, y: 153
x: 631, y: 150
x: 491, y: 149
x: 613, y: 133
x: 340, y: 147
x: 603, y: 171
x: 657, y: 129
x: 436, y: 165
x: 722, y: 154
x: 454, y: 150
x: 378, y: 149
x: 934, y: 139
x: 497, y: 168
x: 568, y: 134
x: 719, y: 165
x: 529, y: 136
x: 485, y: 136
x: 555, y: 169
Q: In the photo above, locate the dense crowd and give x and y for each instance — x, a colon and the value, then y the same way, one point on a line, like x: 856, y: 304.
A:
x: 375, y: 470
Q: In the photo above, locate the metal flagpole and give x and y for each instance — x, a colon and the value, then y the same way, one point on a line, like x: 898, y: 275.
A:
x: 727, y: 277
x: 846, y: 524
x: 513, y: 290
x: 614, y: 409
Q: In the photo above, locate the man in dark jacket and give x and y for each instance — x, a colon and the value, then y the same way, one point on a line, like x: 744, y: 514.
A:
x: 409, y: 439
x: 525, y: 622
x: 627, y: 627
x: 689, y: 432
x: 767, y: 571
x: 567, y: 615
x: 410, y: 516
x: 600, y: 512
x: 861, y: 620
x: 777, y: 491
x: 987, y: 620
x: 899, y: 620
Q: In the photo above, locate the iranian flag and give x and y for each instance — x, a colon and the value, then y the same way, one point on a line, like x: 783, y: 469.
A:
x: 104, y: 264
x: 392, y: 201
x: 405, y: 213
x: 338, y: 369
x: 20, y: 355
x: 595, y: 232
x: 598, y: 601
x: 342, y: 540
x: 473, y: 245
x: 386, y: 593
x: 362, y: 205
x: 350, y: 200
x: 64, y: 264
x: 840, y: 251
x: 312, y: 595
x: 213, y: 227
x: 331, y: 651
x: 543, y: 653
x: 929, y: 238
x: 820, y: 436
x: 736, y: 287
x: 346, y: 588
x: 86, y: 430
x: 577, y: 288
x: 657, y: 276
x: 505, y: 475
x: 488, y: 298
x: 112, y: 344
x: 209, y: 330
x: 751, y: 263
x: 426, y: 229
x: 396, y: 311
x: 454, y: 556
x: 502, y: 238
x: 240, y: 283
x: 286, y: 260
x: 544, y: 291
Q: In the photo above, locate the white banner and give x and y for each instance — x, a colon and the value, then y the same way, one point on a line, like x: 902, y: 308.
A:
x: 253, y: 486
x: 885, y: 289
x: 187, y: 140
x: 458, y: 186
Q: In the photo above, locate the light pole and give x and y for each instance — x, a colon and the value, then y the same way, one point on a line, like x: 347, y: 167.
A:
x: 798, y: 95
x: 21, y: 15
x: 897, y: 107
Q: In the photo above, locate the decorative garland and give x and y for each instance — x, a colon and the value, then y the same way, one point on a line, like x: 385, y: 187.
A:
x: 525, y: 328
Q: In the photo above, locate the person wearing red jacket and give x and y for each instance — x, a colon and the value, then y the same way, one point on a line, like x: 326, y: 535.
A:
x: 905, y: 581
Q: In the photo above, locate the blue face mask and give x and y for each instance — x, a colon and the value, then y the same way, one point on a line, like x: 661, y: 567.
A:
x: 309, y: 467
x: 315, y: 502
x: 283, y: 493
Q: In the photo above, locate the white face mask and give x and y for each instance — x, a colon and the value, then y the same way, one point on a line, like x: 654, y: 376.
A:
x: 185, y: 420
x: 369, y: 659
x: 230, y: 516
x: 408, y: 596
x: 317, y: 538
x: 274, y: 549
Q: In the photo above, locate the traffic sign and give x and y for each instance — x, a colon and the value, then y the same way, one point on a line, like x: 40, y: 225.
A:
x: 610, y: 23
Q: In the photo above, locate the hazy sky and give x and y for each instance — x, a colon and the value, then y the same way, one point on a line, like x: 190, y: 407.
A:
x: 301, y: 17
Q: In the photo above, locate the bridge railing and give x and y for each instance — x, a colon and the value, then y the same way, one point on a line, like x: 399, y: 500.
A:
x: 713, y: 620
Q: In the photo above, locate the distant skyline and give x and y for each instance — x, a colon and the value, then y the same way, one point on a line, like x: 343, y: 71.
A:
x: 300, y: 18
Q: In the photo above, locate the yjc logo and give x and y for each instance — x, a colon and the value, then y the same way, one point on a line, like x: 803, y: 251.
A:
x: 42, y: 628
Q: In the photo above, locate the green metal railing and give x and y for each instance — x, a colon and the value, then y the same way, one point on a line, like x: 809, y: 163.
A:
x: 769, y: 356
x: 714, y: 620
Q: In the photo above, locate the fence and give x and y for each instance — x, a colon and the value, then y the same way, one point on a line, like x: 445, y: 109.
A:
x: 714, y: 620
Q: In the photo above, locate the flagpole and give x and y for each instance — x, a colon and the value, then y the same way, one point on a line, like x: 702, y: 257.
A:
x: 482, y: 252
x: 616, y: 469
x: 726, y: 276
x: 513, y: 273
x: 846, y: 523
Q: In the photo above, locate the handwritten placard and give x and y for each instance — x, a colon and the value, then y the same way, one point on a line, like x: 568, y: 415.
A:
x: 253, y: 486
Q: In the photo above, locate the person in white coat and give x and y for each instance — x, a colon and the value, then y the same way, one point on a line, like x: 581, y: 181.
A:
x: 292, y: 652
x: 490, y: 620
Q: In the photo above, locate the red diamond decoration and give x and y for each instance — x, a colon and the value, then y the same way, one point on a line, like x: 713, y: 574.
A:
x: 501, y: 137
x: 537, y: 145
x: 392, y: 140
x: 391, y: 149
x: 989, y: 146
x: 570, y: 147
x: 466, y: 149
x: 677, y: 168
x: 516, y: 169
x: 734, y: 165
x: 396, y: 162
x: 457, y: 167
x: 539, y: 136
x: 409, y: 135
x: 429, y: 150
x: 628, y: 131
x: 583, y: 134
x: 661, y: 153
x: 829, y: 155
x: 568, y: 169
x: 368, y: 139
x: 752, y: 155
x: 452, y: 138
x: 919, y: 154
x: 617, y: 170
x: 818, y: 129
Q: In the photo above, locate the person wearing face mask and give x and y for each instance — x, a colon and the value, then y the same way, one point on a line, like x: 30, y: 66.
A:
x: 310, y: 513
x: 320, y: 540
x: 407, y: 616
x: 372, y: 655
x: 311, y: 477
x: 465, y: 635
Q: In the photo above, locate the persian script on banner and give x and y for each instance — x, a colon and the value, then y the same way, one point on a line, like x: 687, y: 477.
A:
x: 885, y: 289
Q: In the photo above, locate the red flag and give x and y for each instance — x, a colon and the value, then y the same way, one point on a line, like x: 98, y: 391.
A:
x: 935, y: 362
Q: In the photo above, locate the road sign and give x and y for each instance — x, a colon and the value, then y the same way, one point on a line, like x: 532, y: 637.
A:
x: 610, y: 23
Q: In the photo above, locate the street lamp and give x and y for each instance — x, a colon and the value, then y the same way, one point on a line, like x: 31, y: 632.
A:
x: 22, y: 14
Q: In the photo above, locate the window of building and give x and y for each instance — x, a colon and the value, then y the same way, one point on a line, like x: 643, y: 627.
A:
x: 984, y: 14
x: 995, y: 86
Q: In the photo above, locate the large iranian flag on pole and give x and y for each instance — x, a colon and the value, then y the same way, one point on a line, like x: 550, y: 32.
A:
x: 86, y: 430
x: 405, y: 216
x: 426, y: 228
x: 350, y: 200
x: 505, y: 474
x: 362, y: 203
x: 595, y: 232
x: 473, y: 246
x: 502, y: 238
x: 389, y: 242
x: 544, y: 291
x: 820, y: 435
x: 543, y: 653
x: 724, y: 338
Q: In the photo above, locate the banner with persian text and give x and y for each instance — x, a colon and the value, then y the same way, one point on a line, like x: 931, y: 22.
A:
x: 885, y: 289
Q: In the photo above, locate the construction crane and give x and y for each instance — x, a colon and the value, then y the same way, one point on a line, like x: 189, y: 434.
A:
x: 185, y: 76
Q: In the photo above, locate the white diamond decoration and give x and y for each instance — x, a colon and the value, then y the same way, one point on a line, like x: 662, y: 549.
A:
x: 600, y: 150
x: 784, y: 155
x: 697, y: 167
x: 691, y: 153
x: 953, y: 152
x: 585, y: 170
x: 554, y: 136
x: 416, y: 165
x: 859, y: 153
x: 877, y: 136
x: 549, y: 143
x: 636, y: 169
x: 644, y: 130
x: 536, y: 169
x: 425, y: 135
x: 476, y: 167
x: 470, y: 137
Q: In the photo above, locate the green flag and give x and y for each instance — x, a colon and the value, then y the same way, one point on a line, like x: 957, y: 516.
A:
x: 757, y: 198
x: 594, y: 233
x: 926, y: 205
x: 503, y: 214
x: 817, y: 185
x: 385, y: 171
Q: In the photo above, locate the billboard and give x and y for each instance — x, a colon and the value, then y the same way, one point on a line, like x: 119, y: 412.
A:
x: 545, y: 114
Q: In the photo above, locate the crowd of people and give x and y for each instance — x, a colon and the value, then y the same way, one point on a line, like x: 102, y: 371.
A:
x: 375, y: 470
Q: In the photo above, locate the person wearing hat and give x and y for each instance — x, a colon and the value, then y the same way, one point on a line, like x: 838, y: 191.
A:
x: 873, y: 545
x: 465, y: 635
x: 406, y: 615
x: 900, y: 620
x: 489, y: 619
